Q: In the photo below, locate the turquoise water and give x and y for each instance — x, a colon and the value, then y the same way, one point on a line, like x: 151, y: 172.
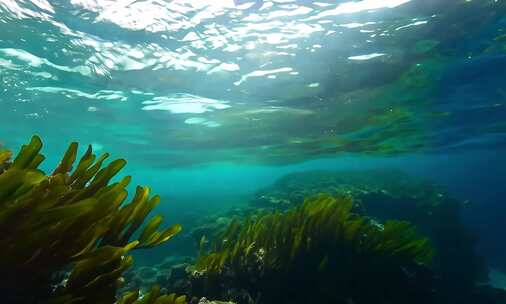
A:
x: 212, y: 101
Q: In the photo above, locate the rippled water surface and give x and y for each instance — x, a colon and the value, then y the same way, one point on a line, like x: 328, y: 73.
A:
x: 178, y: 83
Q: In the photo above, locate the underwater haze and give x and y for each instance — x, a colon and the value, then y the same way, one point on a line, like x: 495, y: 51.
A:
x: 230, y: 107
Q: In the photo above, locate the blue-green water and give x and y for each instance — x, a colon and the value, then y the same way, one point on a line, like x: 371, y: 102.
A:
x: 210, y: 101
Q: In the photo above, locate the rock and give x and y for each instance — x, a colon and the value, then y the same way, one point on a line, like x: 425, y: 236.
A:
x: 178, y: 272
x: 147, y: 273
x: 386, y: 195
x: 206, y: 301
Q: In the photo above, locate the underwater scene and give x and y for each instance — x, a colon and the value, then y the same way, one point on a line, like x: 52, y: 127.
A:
x: 252, y: 151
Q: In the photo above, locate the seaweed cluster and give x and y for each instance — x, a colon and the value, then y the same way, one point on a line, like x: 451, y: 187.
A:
x: 154, y: 296
x: 65, y: 236
x: 318, y: 252
x: 393, y: 194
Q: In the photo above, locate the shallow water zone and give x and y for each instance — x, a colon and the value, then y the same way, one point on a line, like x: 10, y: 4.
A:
x: 311, y: 151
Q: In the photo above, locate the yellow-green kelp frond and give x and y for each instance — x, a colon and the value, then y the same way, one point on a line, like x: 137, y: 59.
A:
x: 5, y: 156
x: 74, y: 216
x: 95, y: 278
x: 321, y: 243
x: 154, y: 296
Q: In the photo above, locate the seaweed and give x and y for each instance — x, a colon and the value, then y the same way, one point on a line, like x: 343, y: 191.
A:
x: 386, y: 194
x: 318, y: 252
x: 154, y: 296
x: 72, y: 221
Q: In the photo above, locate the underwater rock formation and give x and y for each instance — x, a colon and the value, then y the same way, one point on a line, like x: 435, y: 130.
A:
x: 318, y: 252
x: 65, y: 236
x: 236, y: 269
x: 392, y: 194
x: 379, y: 196
x: 170, y: 272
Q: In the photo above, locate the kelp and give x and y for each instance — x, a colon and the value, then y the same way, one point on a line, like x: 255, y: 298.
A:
x: 392, y: 194
x: 4, y: 158
x: 73, y: 219
x: 318, y: 252
x: 154, y: 296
